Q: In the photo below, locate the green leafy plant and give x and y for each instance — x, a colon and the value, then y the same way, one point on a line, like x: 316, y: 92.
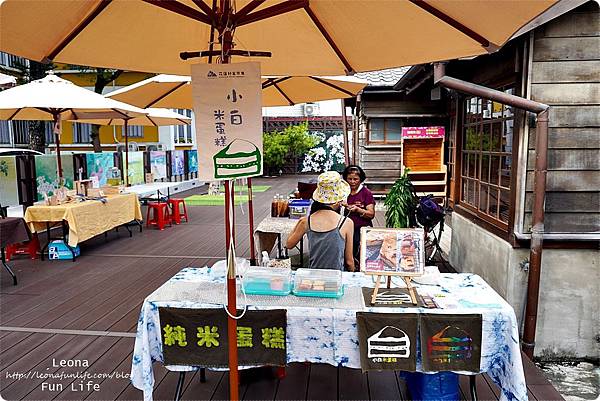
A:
x: 281, y: 147
x: 4, y: 168
x: 400, y: 203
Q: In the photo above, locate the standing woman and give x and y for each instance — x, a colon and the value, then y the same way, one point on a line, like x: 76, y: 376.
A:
x: 329, y: 234
x: 360, y: 203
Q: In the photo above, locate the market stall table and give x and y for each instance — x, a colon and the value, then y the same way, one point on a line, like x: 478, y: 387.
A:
x: 84, y: 219
x: 276, y: 229
x: 325, y: 331
x: 12, y: 231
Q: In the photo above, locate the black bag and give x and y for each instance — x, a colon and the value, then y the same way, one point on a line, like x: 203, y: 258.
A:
x: 429, y: 213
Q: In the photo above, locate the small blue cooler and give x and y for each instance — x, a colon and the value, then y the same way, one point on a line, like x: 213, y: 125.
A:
x: 58, y: 250
x: 299, y: 208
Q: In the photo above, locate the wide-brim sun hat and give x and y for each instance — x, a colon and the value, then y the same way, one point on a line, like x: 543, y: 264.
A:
x: 331, y: 188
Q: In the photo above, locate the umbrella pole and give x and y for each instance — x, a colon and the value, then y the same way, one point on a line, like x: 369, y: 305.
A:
x: 226, y: 40
x: 251, y: 223
x: 345, y: 129
x: 126, y: 152
x: 56, y: 128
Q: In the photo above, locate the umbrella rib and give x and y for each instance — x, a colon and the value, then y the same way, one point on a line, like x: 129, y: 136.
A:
x: 452, y: 22
x: 181, y: 9
x: 247, y: 9
x: 15, y: 114
x: 204, y: 7
x: 125, y: 116
x: 329, y: 39
x: 273, y: 81
x: 184, y: 121
x: 103, y: 4
x: 272, y: 11
x: 152, y: 121
x: 164, y: 95
x: 283, y: 94
x: 333, y: 86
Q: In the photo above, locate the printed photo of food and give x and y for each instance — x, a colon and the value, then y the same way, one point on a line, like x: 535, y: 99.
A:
x: 396, y: 251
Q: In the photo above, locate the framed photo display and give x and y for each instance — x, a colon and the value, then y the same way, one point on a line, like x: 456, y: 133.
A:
x: 392, y: 251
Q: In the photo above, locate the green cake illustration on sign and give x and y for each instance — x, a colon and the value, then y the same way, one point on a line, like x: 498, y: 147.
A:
x: 240, y: 158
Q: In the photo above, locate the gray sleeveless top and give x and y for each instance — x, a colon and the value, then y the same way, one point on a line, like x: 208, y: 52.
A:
x: 326, y: 247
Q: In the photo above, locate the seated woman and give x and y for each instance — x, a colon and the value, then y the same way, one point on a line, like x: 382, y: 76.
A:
x: 329, y: 234
x: 360, y: 204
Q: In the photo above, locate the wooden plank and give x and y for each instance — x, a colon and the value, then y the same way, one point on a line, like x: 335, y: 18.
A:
x: 569, y: 159
x: 383, y: 386
x: 571, y: 202
x: 573, y: 24
x: 566, y: 93
x: 323, y: 384
x: 352, y: 384
x: 584, y: 48
x: 381, y: 175
x: 222, y: 391
x: 567, y: 222
x: 114, y: 389
x: 382, y: 165
x: 574, y: 116
x: 562, y: 181
x: 569, y: 138
x: 545, y: 392
x: 484, y: 392
x: 295, y: 383
x: 261, y: 389
x: 196, y: 390
x: 565, y: 71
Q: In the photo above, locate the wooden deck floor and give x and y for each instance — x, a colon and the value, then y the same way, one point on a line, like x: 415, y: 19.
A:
x: 88, y: 310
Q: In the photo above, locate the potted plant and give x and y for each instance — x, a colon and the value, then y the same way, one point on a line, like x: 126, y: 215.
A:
x: 400, y: 204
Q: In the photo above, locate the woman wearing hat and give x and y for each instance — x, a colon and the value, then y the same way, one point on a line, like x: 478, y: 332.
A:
x: 329, y: 234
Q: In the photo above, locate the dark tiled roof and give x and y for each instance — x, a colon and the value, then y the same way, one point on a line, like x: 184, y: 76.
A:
x: 383, y: 77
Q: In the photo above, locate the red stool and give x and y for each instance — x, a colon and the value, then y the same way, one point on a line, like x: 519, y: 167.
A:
x: 176, y: 212
x: 160, y: 215
x: 30, y: 248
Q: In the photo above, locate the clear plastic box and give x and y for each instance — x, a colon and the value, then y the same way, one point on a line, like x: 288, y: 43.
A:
x: 267, y: 281
x: 326, y: 283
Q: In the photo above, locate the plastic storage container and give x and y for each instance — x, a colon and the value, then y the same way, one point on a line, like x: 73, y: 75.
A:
x: 299, y: 208
x: 267, y: 281
x: 326, y: 283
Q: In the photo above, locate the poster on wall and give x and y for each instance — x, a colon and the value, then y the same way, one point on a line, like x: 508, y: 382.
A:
x: 136, y: 168
x: 9, y: 195
x: 228, y: 117
x: 192, y: 158
x: 46, y: 176
x: 158, y: 164
x: 392, y: 251
x: 98, y: 165
x: 177, y: 162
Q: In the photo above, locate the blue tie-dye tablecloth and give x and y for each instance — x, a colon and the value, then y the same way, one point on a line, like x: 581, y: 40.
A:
x: 328, y: 335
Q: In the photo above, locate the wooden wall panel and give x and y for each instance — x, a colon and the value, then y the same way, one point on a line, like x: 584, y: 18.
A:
x: 576, y: 24
x: 571, y: 202
x: 566, y: 71
x: 567, y: 93
x: 570, y: 138
x: 569, y: 159
x: 562, y: 181
x: 423, y: 155
x: 583, y: 48
x: 574, y: 116
x: 567, y: 223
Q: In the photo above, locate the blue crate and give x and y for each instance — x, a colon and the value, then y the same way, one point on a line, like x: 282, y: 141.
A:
x: 58, y: 250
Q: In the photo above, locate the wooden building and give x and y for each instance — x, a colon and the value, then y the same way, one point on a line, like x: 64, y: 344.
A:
x: 555, y: 60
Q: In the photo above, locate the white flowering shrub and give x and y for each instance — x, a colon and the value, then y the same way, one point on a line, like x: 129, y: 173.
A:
x: 327, y: 155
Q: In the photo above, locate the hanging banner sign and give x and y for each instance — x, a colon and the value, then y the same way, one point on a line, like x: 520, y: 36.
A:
x: 228, y: 117
x: 387, y: 341
x: 423, y: 132
x: 450, y: 342
x: 198, y: 337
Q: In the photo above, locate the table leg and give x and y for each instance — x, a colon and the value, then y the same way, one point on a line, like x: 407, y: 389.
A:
x: 202, y: 375
x: 279, y: 250
x: 7, y: 267
x: 473, y: 387
x: 47, y: 240
x: 179, y: 386
x: 64, y: 238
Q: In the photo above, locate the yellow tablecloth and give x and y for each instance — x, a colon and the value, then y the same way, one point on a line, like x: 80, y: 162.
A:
x: 86, y: 219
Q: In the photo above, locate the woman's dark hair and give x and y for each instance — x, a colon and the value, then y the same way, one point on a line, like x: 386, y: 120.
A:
x: 353, y: 168
x: 316, y: 206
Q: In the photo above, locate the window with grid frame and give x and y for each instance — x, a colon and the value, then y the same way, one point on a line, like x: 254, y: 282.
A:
x: 486, y: 159
x: 183, y: 133
x: 385, y: 130
x: 82, y: 133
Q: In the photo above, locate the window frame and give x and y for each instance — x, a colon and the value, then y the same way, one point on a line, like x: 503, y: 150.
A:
x: 385, y: 131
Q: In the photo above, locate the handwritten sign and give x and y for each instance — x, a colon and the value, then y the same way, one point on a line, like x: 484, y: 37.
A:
x: 198, y: 337
x: 228, y: 117
x: 423, y: 132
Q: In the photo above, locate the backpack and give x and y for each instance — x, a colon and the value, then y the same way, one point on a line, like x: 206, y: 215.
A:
x: 429, y: 213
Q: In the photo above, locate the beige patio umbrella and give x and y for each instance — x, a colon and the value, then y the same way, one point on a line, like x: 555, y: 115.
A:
x: 305, y: 37
x: 175, y: 91
x: 155, y: 117
x: 53, y: 98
